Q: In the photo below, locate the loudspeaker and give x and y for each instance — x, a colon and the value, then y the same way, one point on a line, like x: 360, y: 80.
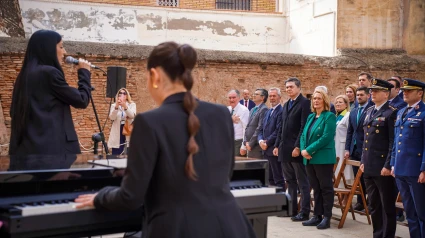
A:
x: 116, y: 79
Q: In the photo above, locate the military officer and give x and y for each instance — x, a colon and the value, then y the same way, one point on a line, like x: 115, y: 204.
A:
x: 408, y: 157
x: 375, y: 162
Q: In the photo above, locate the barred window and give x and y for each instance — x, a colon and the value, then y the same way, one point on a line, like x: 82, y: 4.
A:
x: 233, y: 4
x: 168, y: 3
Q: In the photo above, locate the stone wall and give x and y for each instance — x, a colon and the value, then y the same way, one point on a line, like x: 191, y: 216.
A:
x: 216, y: 73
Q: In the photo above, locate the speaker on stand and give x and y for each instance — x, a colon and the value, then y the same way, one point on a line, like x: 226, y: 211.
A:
x: 116, y: 79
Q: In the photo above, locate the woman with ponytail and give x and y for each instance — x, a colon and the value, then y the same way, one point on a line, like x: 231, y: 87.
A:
x: 181, y: 158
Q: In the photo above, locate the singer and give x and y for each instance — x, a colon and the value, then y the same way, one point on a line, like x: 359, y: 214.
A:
x: 181, y: 156
x: 41, y: 100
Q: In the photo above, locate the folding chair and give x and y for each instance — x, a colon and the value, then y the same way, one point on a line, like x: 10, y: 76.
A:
x: 349, y: 190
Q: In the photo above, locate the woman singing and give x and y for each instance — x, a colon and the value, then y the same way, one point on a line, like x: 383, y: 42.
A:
x: 41, y: 100
x: 181, y: 156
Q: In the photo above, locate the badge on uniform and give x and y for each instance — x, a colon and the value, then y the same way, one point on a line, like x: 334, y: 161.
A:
x: 417, y: 107
x: 380, y: 119
x: 419, y: 113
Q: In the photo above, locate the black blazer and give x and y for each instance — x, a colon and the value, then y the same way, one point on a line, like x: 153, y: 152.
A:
x: 355, y: 132
x: 269, y: 129
x: 50, y: 129
x: 251, y: 104
x: 289, y: 134
x: 176, y: 206
x: 378, y: 139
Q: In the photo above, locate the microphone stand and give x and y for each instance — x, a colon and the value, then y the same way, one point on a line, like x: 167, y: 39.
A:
x: 98, y: 137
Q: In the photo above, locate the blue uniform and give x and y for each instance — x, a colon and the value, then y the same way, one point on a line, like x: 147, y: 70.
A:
x: 408, y: 160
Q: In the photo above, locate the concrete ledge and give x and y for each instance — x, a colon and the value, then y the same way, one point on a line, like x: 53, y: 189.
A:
x: 362, y: 59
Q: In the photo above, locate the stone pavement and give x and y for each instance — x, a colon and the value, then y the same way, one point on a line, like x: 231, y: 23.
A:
x: 283, y: 227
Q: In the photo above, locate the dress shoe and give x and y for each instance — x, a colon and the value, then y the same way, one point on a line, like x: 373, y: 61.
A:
x: 326, y: 223
x: 358, y: 207
x: 300, y: 217
x: 314, y: 221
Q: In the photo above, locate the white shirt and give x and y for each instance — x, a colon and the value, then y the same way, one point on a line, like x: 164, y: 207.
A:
x: 243, y: 113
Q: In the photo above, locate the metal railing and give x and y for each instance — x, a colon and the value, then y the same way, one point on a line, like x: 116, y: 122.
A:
x: 233, y: 4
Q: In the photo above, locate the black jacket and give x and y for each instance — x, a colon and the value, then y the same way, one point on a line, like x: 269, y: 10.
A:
x: 176, y: 206
x: 378, y: 139
x: 289, y: 134
x: 355, y: 134
x: 50, y: 129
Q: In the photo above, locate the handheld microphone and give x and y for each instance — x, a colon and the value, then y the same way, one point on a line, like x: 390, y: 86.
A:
x: 71, y: 60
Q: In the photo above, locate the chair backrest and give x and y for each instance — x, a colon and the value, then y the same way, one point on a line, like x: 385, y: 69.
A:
x: 341, y: 174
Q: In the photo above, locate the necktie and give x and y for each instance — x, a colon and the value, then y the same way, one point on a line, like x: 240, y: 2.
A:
x: 405, y: 113
x: 290, y: 103
x: 269, y: 114
x: 253, y: 111
x: 246, y: 103
x: 233, y: 110
x: 359, y: 114
x: 374, y: 111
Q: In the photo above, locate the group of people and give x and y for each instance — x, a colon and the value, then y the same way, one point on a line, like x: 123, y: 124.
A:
x: 377, y: 122
x: 174, y: 156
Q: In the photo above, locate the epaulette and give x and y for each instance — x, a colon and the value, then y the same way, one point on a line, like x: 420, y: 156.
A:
x: 393, y: 108
x: 370, y: 108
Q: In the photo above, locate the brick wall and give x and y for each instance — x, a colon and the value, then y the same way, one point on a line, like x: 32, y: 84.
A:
x: 216, y: 73
x: 256, y: 5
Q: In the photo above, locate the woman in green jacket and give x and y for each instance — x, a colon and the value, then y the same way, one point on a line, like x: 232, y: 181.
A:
x: 318, y: 149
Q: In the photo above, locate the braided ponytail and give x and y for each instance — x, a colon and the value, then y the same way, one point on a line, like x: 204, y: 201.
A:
x: 187, y: 57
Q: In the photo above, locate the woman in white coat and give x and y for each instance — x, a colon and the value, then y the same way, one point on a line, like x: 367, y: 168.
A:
x: 123, y: 108
x: 342, y: 108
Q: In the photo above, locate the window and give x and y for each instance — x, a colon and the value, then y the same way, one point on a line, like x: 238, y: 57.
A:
x: 233, y: 4
x: 168, y: 3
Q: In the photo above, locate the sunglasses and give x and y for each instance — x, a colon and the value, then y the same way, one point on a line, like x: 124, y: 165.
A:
x: 122, y: 93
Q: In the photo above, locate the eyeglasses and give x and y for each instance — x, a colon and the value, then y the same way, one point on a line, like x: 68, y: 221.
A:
x: 122, y: 93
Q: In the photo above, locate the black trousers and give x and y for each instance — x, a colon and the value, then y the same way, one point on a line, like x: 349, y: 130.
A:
x: 296, y: 176
x: 320, y: 177
x: 275, y: 171
x: 381, y: 203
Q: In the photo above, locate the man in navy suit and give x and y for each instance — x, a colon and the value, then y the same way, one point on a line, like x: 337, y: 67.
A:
x: 394, y: 99
x: 267, y: 137
x: 400, y: 80
x: 408, y: 156
x: 355, y: 135
x: 246, y: 101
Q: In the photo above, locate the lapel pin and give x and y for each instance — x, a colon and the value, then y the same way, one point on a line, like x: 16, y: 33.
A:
x: 419, y: 113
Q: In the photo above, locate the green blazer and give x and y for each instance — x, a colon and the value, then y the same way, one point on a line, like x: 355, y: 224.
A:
x: 321, y: 143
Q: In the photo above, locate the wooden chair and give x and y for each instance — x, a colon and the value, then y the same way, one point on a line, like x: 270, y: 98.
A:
x: 334, y: 170
x: 349, y: 190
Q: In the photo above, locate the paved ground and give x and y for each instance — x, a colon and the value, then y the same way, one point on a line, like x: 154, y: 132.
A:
x: 283, y: 227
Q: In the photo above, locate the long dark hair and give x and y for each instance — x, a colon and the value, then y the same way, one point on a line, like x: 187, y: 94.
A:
x: 41, y: 50
x: 177, y: 61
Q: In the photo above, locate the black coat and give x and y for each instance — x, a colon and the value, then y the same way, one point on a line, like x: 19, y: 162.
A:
x: 176, y: 206
x: 289, y: 134
x: 378, y: 139
x: 50, y: 129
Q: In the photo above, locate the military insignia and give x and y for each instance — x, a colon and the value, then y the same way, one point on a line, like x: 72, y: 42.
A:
x: 377, y: 131
x: 393, y: 108
x: 405, y: 83
x: 417, y: 107
x: 374, y: 81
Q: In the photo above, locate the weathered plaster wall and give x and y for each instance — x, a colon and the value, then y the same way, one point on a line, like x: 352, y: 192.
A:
x: 10, y: 19
x: 149, y: 26
x: 311, y: 26
x: 414, y: 27
x: 374, y: 24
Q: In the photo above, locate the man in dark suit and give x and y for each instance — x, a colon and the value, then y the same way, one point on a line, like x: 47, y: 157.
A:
x: 246, y: 101
x: 355, y: 135
x: 394, y: 99
x: 376, y: 157
x: 256, y: 116
x: 400, y: 80
x: 267, y: 137
x: 408, y: 156
x: 287, y: 147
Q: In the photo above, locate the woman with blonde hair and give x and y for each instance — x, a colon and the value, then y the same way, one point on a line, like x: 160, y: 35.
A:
x: 350, y: 92
x: 318, y: 149
x: 342, y: 105
x: 123, y: 109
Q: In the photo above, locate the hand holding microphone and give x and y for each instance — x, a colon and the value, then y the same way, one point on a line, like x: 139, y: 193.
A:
x: 81, y: 63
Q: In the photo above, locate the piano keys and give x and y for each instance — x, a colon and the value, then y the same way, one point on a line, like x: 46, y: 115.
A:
x: 36, y: 197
